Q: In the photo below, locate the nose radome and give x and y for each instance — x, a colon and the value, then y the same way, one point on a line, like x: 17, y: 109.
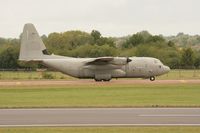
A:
x: 167, y: 69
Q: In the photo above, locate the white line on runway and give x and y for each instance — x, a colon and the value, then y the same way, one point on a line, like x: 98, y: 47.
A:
x: 169, y: 115
x: 95, y: 125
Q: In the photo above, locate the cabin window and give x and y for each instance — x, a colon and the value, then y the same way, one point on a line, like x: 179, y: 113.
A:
x: 160, y: 66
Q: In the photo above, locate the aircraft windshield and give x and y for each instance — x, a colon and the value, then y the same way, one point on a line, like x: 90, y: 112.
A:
x: 157, y: 61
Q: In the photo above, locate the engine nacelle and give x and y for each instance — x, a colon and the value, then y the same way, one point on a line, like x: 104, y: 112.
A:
x: 121, y: 61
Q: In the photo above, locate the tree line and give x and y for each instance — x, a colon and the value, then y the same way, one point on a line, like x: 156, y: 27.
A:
x: 82, y: 44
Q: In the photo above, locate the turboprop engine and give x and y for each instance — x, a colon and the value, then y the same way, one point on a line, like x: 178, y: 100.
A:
x: 121, y: 61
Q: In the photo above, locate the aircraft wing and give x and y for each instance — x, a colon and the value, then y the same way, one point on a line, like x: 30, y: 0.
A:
x: 100, y: 61
x: 108, y: 60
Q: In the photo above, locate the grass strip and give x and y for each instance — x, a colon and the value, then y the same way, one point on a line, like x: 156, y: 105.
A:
x: 187, y: 95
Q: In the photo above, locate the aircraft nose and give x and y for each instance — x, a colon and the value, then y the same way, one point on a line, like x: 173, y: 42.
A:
x: 166, y: 69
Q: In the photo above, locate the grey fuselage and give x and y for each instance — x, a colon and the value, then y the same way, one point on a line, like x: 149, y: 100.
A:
x: 138, y: 67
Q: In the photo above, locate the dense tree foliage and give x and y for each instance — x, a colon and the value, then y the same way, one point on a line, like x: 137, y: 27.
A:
x: 187, y: 58
x: 185, y: 40
x: 197, y: 60
x: 82, y: 44
x: 8, y: 58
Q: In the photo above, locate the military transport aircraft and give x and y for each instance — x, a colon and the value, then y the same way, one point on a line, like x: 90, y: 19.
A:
x: 101, y: 69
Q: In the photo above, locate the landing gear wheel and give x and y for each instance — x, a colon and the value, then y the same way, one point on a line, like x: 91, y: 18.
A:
x: 106, y: 80
x: 98, y: 80
x: 152, y: 78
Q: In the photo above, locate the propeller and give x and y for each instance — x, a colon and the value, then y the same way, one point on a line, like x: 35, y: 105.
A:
x: 128, y: 60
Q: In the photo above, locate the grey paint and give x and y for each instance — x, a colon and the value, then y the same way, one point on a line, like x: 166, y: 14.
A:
x: 99, y: 117
x: 102, y: 68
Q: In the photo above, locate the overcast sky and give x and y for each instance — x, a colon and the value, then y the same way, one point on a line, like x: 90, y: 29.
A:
x: 110, y: 17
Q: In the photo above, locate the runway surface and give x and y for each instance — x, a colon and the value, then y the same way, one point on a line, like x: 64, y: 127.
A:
x: 100, y: 117
x: 91, y: 82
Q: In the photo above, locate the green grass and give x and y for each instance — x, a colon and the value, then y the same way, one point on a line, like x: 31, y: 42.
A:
x: 187, y: 95
x: 30, y: 75
x: 103, y: 130
x: 23, y: 75
x: 181, y: 74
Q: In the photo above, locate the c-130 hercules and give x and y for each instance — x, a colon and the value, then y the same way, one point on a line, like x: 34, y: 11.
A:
x: 101, y: 69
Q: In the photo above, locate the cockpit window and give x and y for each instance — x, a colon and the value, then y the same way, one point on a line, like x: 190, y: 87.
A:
x: 155, y: 61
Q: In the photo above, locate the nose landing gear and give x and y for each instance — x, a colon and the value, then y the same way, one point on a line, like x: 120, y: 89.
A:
x: 152, y: 78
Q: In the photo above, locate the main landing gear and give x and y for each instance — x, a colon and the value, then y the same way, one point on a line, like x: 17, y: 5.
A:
x: 152, y: 78
x: 104, y: 80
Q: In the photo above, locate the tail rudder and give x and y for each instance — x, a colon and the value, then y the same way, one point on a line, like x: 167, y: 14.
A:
x: 32, y: 47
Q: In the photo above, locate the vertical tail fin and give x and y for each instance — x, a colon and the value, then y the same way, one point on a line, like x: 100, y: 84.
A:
x: 32, y: 47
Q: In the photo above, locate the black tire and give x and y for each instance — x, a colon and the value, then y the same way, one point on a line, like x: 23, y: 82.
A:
x: 106, y: 80
x: 152, y: 78
x: 97, y: 80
